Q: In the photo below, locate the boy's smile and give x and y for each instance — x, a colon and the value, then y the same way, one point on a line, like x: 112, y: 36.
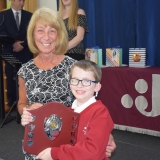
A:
x: 80, y: 92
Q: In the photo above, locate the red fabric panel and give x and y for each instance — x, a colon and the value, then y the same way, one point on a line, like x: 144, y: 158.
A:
x: 118, y: 81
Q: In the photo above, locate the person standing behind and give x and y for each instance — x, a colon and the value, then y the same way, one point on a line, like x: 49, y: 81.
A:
x: 14, y: 22
x: 76, y: 24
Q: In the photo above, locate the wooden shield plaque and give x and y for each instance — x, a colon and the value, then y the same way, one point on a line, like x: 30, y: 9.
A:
x: 53, y: 125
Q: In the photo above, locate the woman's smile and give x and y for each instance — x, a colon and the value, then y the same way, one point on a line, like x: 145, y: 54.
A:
x: 46, y: 44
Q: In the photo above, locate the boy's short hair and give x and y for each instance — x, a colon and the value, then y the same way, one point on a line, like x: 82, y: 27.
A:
x: 88, y: 66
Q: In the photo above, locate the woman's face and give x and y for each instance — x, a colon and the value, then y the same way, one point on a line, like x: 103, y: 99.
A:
x: 45, y: 38
x: 66, y: 2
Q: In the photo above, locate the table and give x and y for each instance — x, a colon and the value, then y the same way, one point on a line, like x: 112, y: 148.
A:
x: 132, y: 96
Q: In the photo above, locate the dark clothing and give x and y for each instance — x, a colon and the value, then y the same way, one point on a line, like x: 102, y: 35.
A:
x: 76, y: 56
x: 8, y: 27
x: 76, y: 52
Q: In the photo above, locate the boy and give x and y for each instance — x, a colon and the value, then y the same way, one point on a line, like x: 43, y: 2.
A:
x: 95, y: 123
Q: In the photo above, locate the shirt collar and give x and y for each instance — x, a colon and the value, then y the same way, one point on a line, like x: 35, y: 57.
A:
x: 79, y: 109
x: 14, y: 11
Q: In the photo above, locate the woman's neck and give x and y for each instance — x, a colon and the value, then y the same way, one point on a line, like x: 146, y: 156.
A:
x: 66, y: 12
x: 47, y: 62
x: 67, y: 8
x: 47, y: 58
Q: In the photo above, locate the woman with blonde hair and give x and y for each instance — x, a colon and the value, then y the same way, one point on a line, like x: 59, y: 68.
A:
x: 46, y: 77
x: 76, y: 24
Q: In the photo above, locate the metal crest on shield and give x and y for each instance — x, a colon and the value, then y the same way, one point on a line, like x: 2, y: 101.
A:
x: 52, y: 126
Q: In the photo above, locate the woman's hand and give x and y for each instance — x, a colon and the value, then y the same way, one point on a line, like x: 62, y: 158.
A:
x: 111, y: 146
x: 45, y: 154
x: 26, y: 116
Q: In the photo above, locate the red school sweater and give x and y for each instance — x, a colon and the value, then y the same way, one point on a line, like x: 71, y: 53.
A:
x: 95, y: 126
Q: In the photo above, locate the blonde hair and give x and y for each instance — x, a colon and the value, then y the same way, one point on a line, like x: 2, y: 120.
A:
x: 73, y: 18
x: 87, y: 65
x: 48, y: 17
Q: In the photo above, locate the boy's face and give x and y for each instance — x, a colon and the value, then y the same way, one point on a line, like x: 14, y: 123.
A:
x: 83, y: 93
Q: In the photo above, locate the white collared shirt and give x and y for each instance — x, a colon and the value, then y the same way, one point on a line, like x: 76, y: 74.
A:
x: 14, y: 12
x: 79, y: 109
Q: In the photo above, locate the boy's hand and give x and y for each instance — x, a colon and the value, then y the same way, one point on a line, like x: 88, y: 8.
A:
x: 45, y: 154
x: 111, y: 146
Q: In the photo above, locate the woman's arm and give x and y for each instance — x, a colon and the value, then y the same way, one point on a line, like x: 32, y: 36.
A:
x: 23, y: 104
x: 77, y: 39
x: 80, y: 33
x: 23, y: 101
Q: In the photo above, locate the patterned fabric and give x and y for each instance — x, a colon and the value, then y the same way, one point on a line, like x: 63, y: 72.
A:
x: 28, y: 156
x: 44, y: 86
x: 82, y: 21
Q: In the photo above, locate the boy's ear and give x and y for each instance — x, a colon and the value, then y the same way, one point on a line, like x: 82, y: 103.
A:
x: 98, y: 87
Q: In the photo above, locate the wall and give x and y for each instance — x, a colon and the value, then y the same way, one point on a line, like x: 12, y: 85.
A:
x: 48, y: 3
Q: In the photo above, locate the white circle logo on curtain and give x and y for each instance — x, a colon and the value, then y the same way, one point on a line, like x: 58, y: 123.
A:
x: 141, y: 102
x: 141, y: 86
x: 127, y: 101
